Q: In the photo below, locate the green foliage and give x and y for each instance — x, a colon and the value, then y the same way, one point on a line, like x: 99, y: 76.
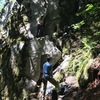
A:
x: 86, y: 42
x: 90, y: 29
x: 58, y: 77
x: 65, y: 50
x: 89, y: 7
x: 90, y: 35
x: 85, y: 59
x: 78, y: 25
x: 79, y: 65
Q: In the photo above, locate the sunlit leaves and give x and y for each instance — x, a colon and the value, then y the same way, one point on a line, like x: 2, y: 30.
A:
x: 89, y: 7
x: 89, y: 10
x: 85, y: 41
x: 78, y: 25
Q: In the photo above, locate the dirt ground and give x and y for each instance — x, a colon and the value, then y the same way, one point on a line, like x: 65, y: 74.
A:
x: 74, y: 92
x: 91, y: 91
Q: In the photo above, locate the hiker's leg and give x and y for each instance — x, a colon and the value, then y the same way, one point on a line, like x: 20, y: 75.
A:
x: 54, y: 82
x: 54, y: 95
x: 45, y: 86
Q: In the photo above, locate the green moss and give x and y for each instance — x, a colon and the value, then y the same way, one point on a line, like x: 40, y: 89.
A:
x: 79, y: 65
x: 65, y: 50
x: 85, y: 73
x: 58, y: 77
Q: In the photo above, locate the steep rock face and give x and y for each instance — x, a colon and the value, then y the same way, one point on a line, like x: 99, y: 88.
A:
x: 35, y: 55
x: 39, y: 48
x: 7, y: 11
x: 24, y: 50
x: 52, y: 16
x: 52, y: 50
x: 32, y: 57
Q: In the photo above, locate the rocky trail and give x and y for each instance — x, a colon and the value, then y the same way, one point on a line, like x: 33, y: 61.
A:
x: 71, y: 90
x: 91, y: 92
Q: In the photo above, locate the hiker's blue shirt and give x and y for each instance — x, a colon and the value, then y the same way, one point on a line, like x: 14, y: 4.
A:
x: 47, y: 69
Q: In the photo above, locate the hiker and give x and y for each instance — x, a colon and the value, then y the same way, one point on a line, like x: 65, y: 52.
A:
x: 39, y: 30
x: 47, y: 74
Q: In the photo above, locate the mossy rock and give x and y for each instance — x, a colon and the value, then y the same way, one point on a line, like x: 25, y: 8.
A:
x: 82, y: 82
x: 58, y: 76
